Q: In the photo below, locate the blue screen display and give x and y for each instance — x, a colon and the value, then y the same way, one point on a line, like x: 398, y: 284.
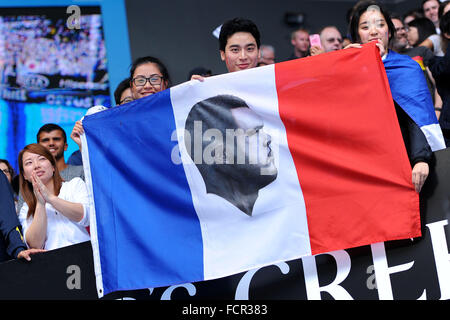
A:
x: 53, y: 67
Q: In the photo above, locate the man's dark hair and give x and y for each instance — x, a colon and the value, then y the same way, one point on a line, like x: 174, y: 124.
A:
x: 123, y: 85
x: 148, y: 59
x: 230, y: 27
x: 425, y: 1
x: 49, y: 127
x: 360, y: 8
x: 425, y: 28
x: 416, y: 13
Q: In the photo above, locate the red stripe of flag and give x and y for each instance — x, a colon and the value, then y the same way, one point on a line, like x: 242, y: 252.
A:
x: 347, y: 147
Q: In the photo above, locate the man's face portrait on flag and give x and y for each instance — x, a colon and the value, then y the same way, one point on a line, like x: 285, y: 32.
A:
x: 255, y: 144
x: 227, y: 143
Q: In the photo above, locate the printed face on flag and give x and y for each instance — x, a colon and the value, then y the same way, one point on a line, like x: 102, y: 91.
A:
x: 226, y: 141
x: 256, y: 145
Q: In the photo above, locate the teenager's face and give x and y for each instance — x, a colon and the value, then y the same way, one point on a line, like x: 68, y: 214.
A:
x: 373, y: 26
x: 54, y: 142
x: 33, y: 162
x: 241, y: 52
x: 147, y: 70
x: 126, y: 96
x: 413, y: 36
x: 431, y: 10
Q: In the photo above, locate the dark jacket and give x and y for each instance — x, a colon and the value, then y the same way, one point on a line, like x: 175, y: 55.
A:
x: 11, y: 242
x: 415, y: 141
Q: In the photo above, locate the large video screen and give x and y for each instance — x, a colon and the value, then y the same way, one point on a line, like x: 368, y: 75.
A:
x: 53, y: 67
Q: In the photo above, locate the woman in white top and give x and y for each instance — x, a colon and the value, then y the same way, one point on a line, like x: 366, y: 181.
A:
x: 55, y: 213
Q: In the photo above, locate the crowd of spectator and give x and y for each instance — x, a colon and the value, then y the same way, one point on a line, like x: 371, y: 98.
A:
x: 48, y: 205
x: 44, y: 45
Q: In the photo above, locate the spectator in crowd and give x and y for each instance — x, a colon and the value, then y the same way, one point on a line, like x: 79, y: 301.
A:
x: 420, y: 54
x: 440, y: 68
x: 148, y: 75
x: 300, y: 42
x: 411, y: 15
x: 421, y: 32
x: 122, y: 94
x: 330, y: 39
x: 11, y: 243
x: 239, y: 44
x: 267, y: 55
x: 56, y: 212
x: 370, y: 22
x: 431, y: 10
x: 54, y: 139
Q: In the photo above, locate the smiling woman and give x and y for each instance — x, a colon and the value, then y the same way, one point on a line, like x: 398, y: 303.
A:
x: 370, y: 22
x: 148, y: 76
x: 55, y: 213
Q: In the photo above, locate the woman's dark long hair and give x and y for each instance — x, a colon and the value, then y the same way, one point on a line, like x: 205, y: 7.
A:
x: 148, y: 59
x: 358, y: 10
x: 425, y: 28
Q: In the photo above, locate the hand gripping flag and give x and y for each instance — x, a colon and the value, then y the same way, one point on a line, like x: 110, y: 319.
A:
x: 246, y: 169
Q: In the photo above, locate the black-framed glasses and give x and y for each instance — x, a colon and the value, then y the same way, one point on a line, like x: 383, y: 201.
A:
x: 125, y: 100
x: 154, y: 79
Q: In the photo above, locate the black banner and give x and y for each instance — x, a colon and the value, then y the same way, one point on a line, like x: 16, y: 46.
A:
x: 413, y: 269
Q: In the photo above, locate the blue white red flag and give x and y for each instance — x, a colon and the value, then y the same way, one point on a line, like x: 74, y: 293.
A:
x: 246, y: 169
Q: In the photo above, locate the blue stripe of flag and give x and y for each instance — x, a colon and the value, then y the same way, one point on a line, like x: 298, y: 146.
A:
x: 409, y: 88
x: 144, y: 210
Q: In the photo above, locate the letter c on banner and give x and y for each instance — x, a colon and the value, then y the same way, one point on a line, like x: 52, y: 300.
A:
x: 243, y: 288
x: 167, y: 295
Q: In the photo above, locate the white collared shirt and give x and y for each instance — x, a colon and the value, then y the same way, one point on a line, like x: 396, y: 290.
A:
x: 62, y: 231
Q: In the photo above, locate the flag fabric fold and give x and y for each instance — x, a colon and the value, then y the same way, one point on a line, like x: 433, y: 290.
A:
x: 246, y: 169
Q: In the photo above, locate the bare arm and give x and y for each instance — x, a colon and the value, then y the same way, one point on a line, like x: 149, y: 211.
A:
x: 71, y: 210
x: 37, y: 232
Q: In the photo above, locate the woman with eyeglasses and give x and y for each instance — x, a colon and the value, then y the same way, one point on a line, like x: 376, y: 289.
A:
x: 148, y: 75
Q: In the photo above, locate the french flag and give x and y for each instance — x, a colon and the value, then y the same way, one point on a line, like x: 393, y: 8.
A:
x: 246, y: 169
